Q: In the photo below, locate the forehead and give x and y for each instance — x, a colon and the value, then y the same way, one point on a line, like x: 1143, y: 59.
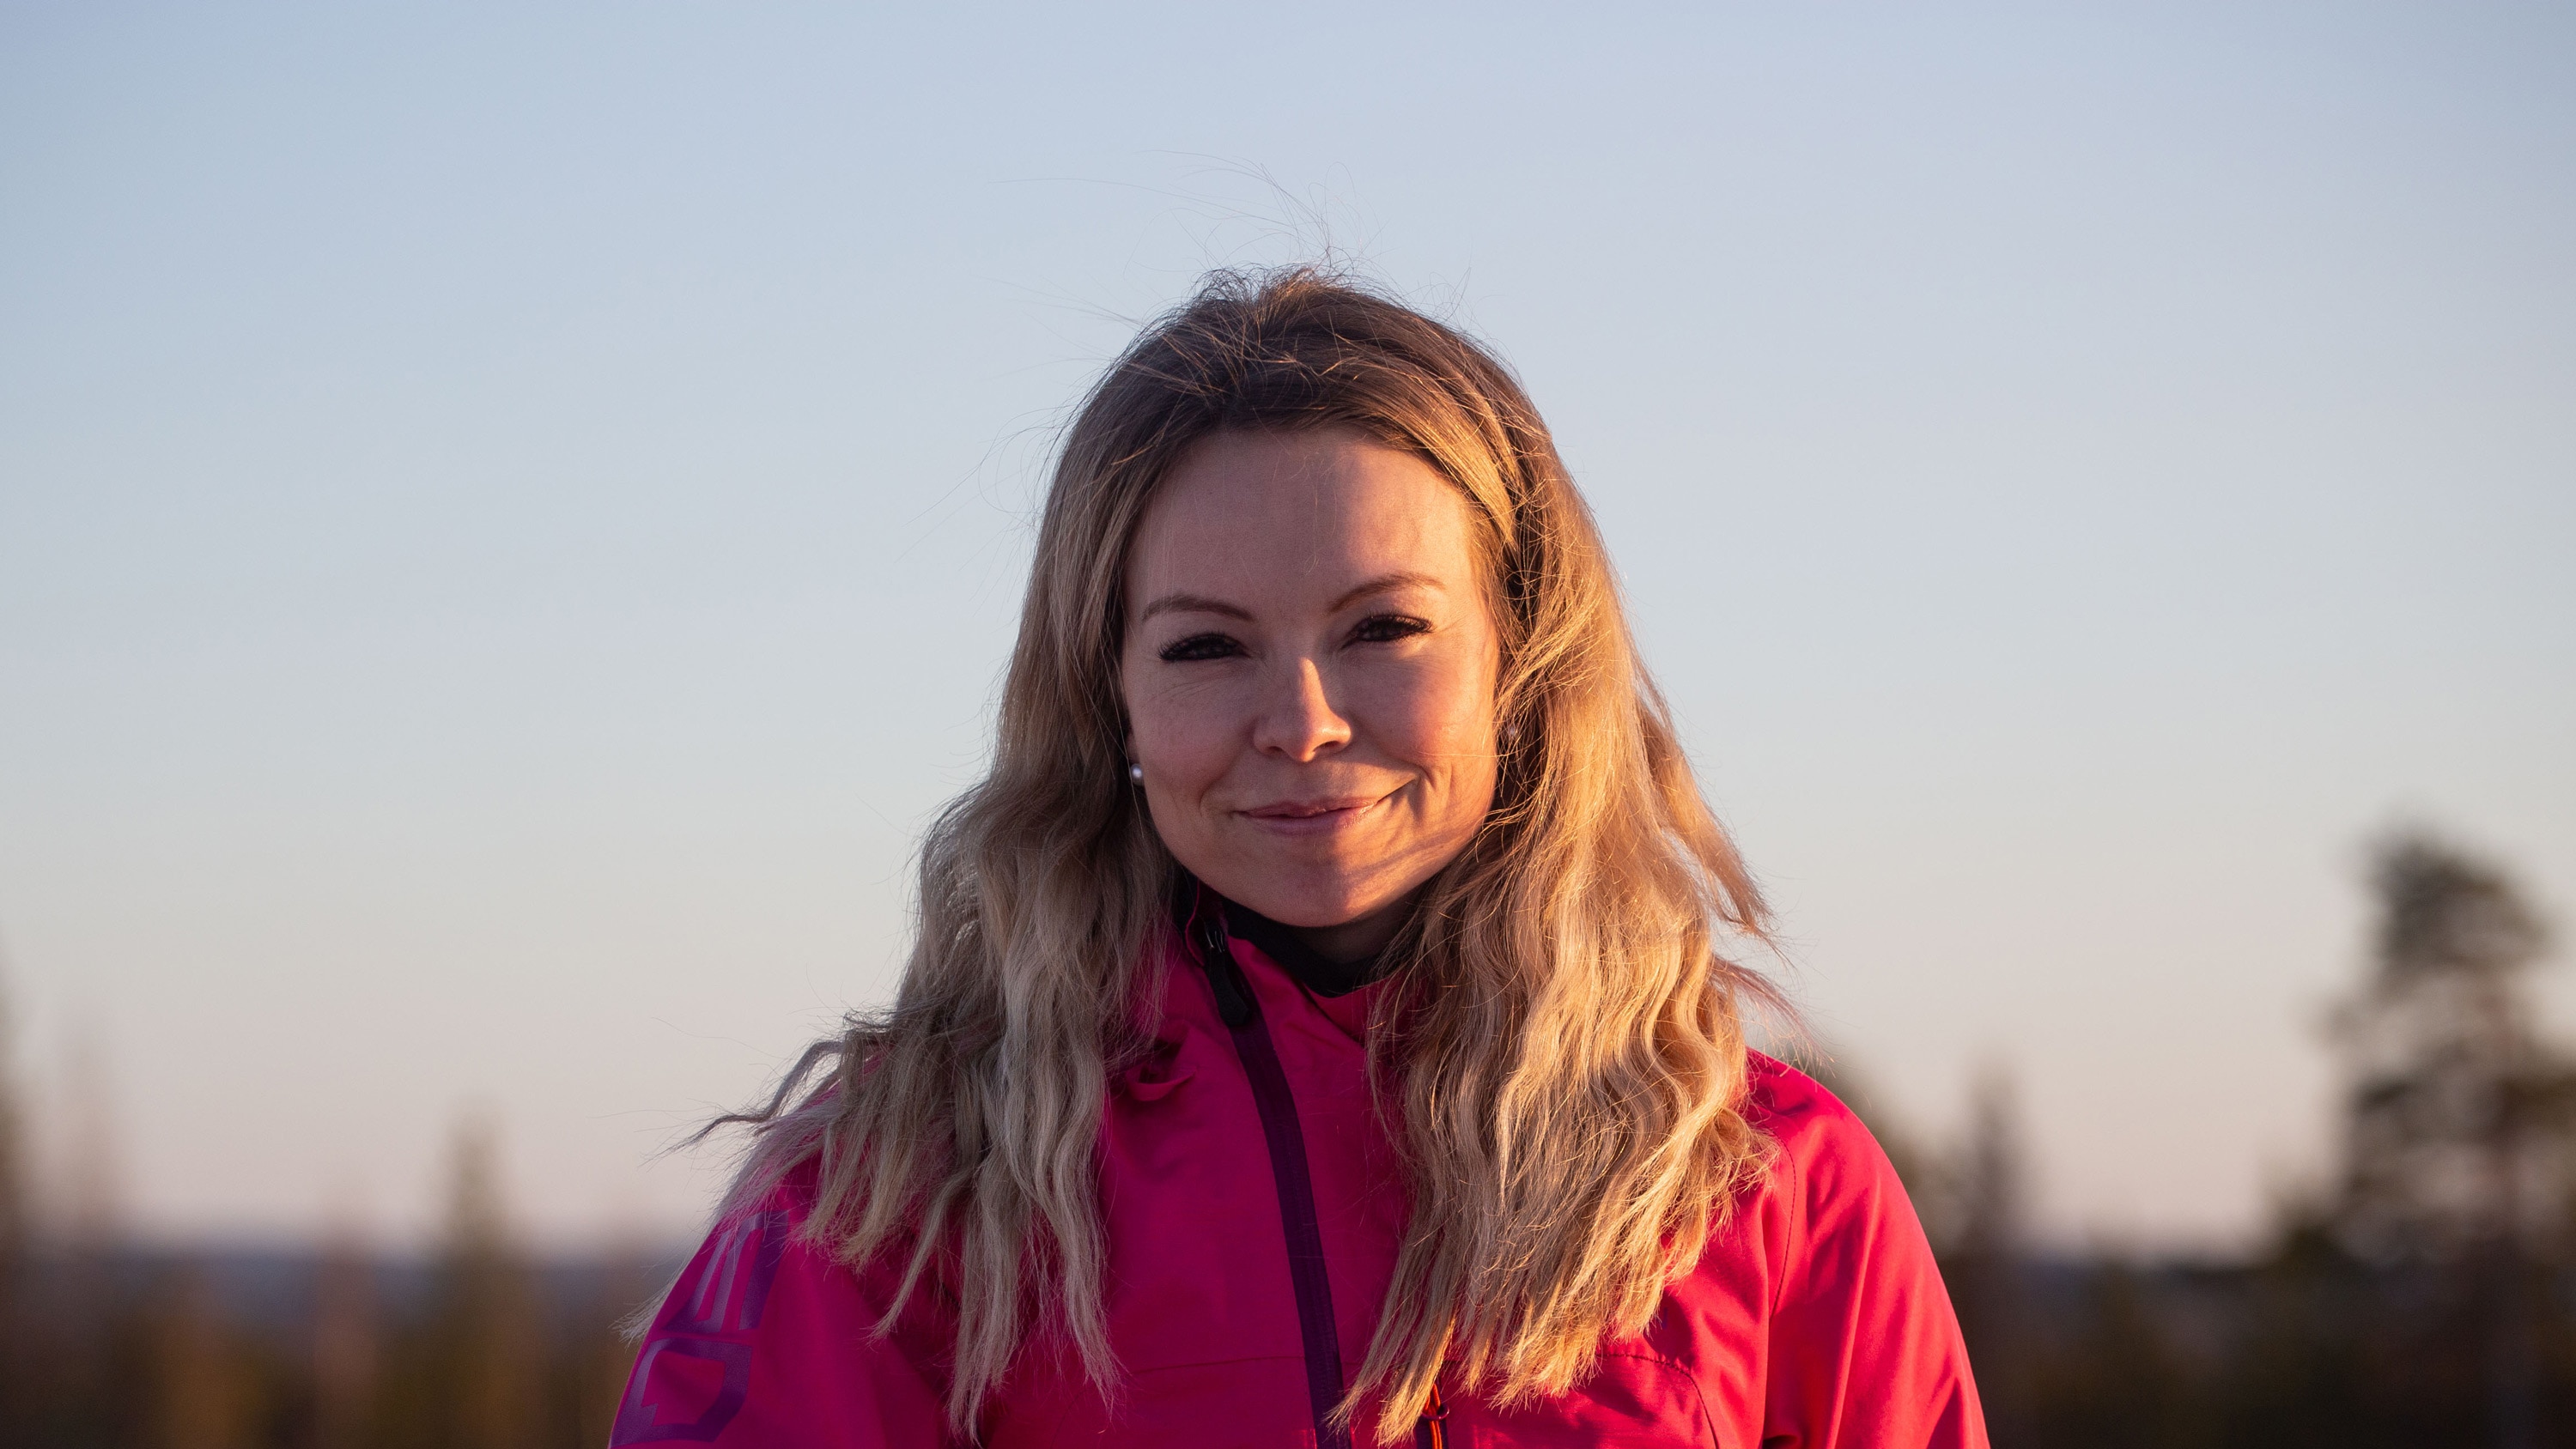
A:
x: 1297, y: 514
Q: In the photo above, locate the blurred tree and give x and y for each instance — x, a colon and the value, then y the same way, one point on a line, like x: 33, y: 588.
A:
x: 85, y: 1361
x: 2460, y: 1133
x: 344, y: 1344
x: 24, y: 1367
x: 1985, y: 1262
x: 205, y: 1390
x: 2457, y: 1115
x: 17, y: 1229
x: 477, y: 1369
x: 92, y: 1220
x: 2297, y: 1375
x: 598, y: 1352
x: 2117, y: 1381
x: 17, y: 1225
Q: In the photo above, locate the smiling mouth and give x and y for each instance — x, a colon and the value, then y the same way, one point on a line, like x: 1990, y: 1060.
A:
x: 1306, y: 817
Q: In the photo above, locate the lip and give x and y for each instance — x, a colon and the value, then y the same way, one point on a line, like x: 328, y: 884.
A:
x: 1320, y: 816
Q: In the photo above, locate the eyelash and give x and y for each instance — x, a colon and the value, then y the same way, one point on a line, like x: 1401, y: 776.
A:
x: 1375, y: 629
x: 1403, y: 626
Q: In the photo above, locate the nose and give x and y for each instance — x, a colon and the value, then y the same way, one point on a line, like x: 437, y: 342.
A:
x: 1297, y: 720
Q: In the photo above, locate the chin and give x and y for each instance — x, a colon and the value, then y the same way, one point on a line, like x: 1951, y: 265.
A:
x: 1311, y: 903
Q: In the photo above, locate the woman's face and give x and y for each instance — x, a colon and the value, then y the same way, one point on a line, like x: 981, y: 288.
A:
x: 1309, y: 677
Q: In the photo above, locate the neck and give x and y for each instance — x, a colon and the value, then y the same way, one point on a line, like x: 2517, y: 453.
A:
x: 1360, y: 938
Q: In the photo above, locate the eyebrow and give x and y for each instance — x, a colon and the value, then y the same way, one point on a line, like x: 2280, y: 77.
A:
x: 1193, y: 604
x: 1202, y: 604
x: 1383, y: 584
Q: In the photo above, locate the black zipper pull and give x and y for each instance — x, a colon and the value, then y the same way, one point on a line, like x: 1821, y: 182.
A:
x: 1233, y: 993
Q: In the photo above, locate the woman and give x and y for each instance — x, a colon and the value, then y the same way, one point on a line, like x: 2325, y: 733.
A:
x: 1320, y: 1030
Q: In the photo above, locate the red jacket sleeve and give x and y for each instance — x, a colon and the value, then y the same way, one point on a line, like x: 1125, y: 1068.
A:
x: 1865, y: 1351
x: 766, y: 1343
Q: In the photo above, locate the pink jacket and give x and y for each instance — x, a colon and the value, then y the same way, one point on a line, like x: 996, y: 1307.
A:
x: 1235, y: 1294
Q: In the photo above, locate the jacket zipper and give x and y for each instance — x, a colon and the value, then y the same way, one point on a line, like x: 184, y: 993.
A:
x: 1288, y: 1170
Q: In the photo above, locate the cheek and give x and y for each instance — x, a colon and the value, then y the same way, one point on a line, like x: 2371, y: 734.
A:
x: 1184, y: 734
x: 1446, y: 718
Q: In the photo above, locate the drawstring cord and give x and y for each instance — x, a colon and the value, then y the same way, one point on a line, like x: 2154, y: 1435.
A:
x: 1430, y: 1433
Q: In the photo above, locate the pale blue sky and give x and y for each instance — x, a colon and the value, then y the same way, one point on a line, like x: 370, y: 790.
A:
x: 509, y: 521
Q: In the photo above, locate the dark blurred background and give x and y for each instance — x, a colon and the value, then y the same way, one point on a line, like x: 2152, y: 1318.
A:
x: 2426, y: 1295
x: 510, y: 520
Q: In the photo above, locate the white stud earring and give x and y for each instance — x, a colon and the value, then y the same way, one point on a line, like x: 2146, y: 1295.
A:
x: 1135, y: 773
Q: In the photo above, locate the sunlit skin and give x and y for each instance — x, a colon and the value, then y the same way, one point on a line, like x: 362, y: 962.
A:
x: 1309, y: 677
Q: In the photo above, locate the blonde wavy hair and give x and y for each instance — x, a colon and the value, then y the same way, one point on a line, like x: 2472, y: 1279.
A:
x: 1563, y: 1040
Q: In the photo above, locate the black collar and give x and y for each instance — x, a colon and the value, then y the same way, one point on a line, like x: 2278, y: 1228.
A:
x: 1314, y: 970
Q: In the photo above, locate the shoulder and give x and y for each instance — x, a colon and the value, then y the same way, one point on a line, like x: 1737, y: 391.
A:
x: 728, y: 1284
x: 1827, y: 1171
x: 1864, y: 1346
x: 1810, y: 1128
x: 768, y: 1341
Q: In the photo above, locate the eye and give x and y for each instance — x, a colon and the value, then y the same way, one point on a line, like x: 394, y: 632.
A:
x: 1387, y: 628
x: 1200, y: 646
